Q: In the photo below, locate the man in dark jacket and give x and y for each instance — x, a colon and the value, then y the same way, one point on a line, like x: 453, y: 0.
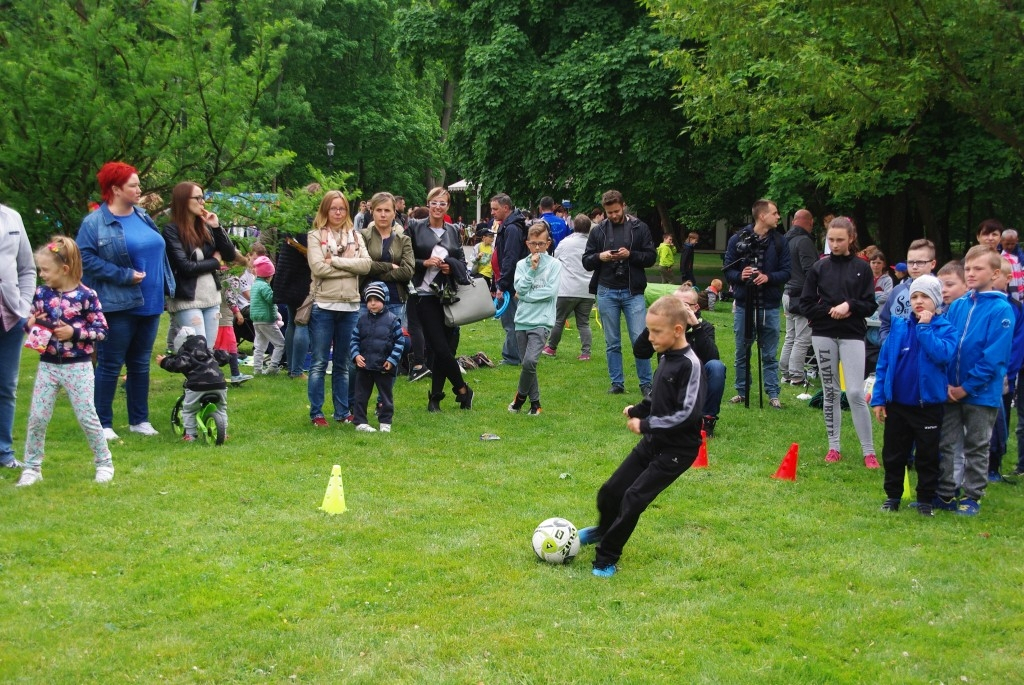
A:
x: 291, y: 286
x: 509, y: 248
x: 802, y: 255
x: 618, y: 250
x: 757, y: 265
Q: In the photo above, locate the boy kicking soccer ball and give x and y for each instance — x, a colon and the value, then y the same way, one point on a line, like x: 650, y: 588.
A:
x: 669, y: 421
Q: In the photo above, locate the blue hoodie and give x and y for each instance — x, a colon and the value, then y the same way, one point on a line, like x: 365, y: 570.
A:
x: 984, y: 328
x: 913, y: 360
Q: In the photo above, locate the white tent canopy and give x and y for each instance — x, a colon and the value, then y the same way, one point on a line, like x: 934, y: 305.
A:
x: 462, y: 187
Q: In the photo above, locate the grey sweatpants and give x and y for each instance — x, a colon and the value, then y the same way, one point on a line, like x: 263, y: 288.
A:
x: 963, y: 447
x: 530, y: 344
x: 831, y: 351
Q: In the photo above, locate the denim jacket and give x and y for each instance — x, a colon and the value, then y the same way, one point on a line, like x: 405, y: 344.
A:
x: 106, y: 266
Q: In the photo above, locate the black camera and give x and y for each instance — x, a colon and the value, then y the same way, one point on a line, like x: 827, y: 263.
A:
x: 749, y: 253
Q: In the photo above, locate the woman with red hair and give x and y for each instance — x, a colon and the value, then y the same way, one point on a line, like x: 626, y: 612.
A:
x: 125, y: 262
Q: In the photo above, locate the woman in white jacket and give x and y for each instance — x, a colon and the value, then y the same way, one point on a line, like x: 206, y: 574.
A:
x: 574, y: 289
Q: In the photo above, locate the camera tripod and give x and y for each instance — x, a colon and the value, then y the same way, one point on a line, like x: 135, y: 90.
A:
x: 752, y: 334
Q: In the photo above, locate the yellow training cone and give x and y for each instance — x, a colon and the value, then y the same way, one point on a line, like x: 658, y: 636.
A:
x: 908, y: 494
x: 334, y: 498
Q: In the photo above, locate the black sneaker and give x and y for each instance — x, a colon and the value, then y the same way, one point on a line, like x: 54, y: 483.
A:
x: 891, y: 504
x: 925, y: 509
x: 645, y: 390
x: 517, y: 403
x: 709, y: 425
x: 616, y: 390
x: 535, y: 409
x: 418, y: 373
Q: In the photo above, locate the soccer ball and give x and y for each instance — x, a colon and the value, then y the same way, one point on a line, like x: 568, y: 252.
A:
x: 556, y: 541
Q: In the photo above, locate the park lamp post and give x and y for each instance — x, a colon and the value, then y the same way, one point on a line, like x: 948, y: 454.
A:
x: 330, y: 155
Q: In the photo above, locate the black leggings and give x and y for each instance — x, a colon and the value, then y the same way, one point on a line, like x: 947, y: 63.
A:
x: 442, y: 343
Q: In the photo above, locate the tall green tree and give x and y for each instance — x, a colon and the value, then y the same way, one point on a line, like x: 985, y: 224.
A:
x: 566, y: 99
x: 892, y: 102
x: 156, y: 84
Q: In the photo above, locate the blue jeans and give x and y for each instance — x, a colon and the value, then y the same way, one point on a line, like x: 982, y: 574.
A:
x: 327, y: 328
x: 715, y: 370
x: 767, y: 323
x: 510, y: 349
x: 296, y: 344
x: 611, y: 306
x: 129, y: 343
x: 204, y: 321
x: 10, y: 359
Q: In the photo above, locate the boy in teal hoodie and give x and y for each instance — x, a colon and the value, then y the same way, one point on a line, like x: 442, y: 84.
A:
x: 536, y: 287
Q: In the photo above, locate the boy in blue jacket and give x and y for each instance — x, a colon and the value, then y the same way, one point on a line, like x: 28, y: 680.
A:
x: 983, y: 321
x: 910, y: 393
x: 377, y: 344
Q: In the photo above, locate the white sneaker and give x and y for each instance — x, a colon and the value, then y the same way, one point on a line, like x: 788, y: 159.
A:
x: 385, y: 428
x: 104, y: 474
x: 29, y: 477
x: 109, y: 434
x: 366, y: 428
x: 144, y: 428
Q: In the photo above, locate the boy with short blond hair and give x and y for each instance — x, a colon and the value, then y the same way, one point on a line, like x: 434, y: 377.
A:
x: 669, y: 421
x: 983, y: 321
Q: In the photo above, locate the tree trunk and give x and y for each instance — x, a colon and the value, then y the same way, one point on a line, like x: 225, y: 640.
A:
x: 667, y: 225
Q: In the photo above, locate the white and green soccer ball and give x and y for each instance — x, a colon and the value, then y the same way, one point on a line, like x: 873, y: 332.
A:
x: 556, y: 541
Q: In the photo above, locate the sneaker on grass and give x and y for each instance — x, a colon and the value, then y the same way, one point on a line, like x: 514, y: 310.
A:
x: 944, y: 504
x: 968, y: 507
x: 385, y: 428
x: 833, y: 456
x: 891, y: 504
x: 144, y: 428
x: 871, y: 462
x: 589, y: 536
x: 29, y: 477
x: 104, y: 474
x: 366, y: 428
x: 109, y: 434
x: 604, y: 571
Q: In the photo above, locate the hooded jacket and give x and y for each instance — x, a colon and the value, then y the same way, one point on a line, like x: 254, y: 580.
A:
x: 934, y: 343
x: 984, y: 331
x: 832, y: 281
x: 378, y: 337
x: 509, y: 249
x: 200, y: 365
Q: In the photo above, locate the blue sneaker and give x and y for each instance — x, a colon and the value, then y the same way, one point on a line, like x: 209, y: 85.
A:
x: 995, y: 477
x: 968, y: 507
x: 944, y: 504
x: 589, y: 536
x: 604, y: 571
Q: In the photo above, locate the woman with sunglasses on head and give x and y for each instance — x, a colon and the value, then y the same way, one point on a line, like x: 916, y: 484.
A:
x: 437, y: 247
x: 196, y: 247
x: 125, y: 261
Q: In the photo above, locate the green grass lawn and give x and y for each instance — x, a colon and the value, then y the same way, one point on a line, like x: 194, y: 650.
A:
x: 202, y: 564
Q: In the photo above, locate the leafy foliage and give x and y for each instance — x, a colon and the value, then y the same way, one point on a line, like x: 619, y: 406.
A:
x: 157, y: 85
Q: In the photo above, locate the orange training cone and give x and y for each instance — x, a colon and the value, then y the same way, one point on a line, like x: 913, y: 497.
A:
x: 787, y: 469
x: 701, y: 462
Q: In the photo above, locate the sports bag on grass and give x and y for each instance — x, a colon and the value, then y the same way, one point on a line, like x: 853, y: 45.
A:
x: 471, y: 303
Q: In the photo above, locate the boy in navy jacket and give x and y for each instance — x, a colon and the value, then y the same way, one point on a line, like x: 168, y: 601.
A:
x: 910, y: 393
x: 983, y: 321
x: 377, y: 345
